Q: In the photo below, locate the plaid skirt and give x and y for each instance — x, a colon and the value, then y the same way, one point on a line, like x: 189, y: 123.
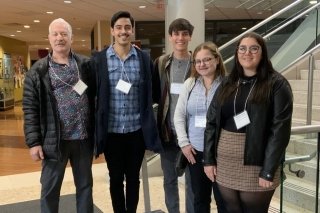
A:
x: 231, y: 171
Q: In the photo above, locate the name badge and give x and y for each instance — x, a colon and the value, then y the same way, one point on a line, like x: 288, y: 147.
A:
x: 242, y: 119
x: 80, y: 87
x: 123, y: 86
x: 175, y: 88
x: 200, y: 121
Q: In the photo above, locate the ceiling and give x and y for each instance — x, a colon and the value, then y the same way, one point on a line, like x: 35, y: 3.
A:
x: 83, y: 15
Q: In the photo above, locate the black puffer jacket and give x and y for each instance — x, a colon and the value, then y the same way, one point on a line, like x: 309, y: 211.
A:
x: 41, y: 121
x: 268, y: 134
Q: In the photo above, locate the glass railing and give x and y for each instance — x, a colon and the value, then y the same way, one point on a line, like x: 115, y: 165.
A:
x: 299, y: 191
x: 282, y: 32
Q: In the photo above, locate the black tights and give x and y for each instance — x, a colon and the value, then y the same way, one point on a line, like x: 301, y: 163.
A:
x: 246, y: 202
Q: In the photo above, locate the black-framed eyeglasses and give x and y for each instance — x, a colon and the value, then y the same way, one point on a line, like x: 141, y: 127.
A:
x: 252, y: 49
x: 206, y: 61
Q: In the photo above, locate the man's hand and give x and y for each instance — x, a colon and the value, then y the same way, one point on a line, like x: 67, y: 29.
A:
x: 36, y: 153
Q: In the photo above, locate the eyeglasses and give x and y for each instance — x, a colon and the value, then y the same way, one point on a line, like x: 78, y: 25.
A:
x: 206, y: 61
x: 252, y: 49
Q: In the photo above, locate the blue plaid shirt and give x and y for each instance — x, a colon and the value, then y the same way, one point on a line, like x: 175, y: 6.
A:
x: 124, y: 113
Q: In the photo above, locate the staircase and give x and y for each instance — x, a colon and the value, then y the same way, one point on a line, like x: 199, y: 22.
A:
x: 299, y: 192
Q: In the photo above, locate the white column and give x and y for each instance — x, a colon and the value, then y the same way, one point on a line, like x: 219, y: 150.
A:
x: 193, y: 11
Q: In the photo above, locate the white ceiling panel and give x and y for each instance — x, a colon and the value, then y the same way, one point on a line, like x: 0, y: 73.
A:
x: 83, y: 14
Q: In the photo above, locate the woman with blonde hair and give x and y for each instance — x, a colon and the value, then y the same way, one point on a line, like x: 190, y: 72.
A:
x: 190, y: 120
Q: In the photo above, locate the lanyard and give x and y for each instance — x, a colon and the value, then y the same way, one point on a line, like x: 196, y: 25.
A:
x: 123, y: 70
x: 235, y: 97
x: 185, y: 72
x: 50, y: 64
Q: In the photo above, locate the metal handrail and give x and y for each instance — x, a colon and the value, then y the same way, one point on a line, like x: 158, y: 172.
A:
x: 305, y: 130
x: 269, y: 34
x: 291, y: 20
x: 300, y: 158
x: 280, y: 12
x: 309, y: 52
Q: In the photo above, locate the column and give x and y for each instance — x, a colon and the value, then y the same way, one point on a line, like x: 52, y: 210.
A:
x: 102, y: 35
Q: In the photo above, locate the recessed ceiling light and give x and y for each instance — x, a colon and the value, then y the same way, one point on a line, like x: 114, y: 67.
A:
x: 83, y: 40
x: 206, y: 10
x: 36, y: 21
x: 259, y: 13
x: 142, y: 6
x: 312, y: 2
x: 12, y: 35
x: 47, y: 48
x: 243, y: 28
x: 18, y: 31
x: 26, y: 26
x: 49, y: 12
x: 67, y: 2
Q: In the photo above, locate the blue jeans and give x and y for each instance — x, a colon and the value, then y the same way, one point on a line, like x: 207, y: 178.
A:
x: 170, y: 180
x: 80, y: 154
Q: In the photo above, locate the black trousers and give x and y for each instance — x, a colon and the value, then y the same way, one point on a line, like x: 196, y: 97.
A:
x: 124, y: 154
x: 202, y: 188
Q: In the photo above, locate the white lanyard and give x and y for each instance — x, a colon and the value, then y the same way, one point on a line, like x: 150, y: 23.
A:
x: 175, y: 88
x: 235, y: 97
x: 79, y: 87
x: 185, y: 72
x: 123, y: 70
x: 50, y: 64
x: 122, y: 85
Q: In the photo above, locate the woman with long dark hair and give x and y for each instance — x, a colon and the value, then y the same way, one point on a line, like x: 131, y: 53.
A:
x: 248, y: 129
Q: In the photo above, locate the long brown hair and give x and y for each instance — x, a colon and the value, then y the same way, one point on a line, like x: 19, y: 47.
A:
x: 262, y: 90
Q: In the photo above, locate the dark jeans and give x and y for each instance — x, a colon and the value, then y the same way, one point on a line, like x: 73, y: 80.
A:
x: 170, y: 180
x: 124, y: 154
x: 80, y: 154
x: 202, y: 188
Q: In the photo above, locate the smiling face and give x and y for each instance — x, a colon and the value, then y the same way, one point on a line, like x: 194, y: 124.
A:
x: 122, y: 32
x: 205, y: 63
x: 180, y: 40
x: 249, y: 55
x: 60, y: 38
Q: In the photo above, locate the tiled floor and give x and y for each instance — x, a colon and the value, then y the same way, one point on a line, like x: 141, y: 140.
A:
x: 19, y: 175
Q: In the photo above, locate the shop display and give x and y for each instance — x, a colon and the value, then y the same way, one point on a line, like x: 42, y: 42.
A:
x: 6, y: 83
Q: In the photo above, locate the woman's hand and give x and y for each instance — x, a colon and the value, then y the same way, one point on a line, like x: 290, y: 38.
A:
x: 211, y: 172
x: 189, y: 153
x: 265, y: 183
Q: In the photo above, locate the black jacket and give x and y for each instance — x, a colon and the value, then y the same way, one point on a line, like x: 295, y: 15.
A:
x: 41, y: 121
x: 268, y: 134
x: 148, y: 122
